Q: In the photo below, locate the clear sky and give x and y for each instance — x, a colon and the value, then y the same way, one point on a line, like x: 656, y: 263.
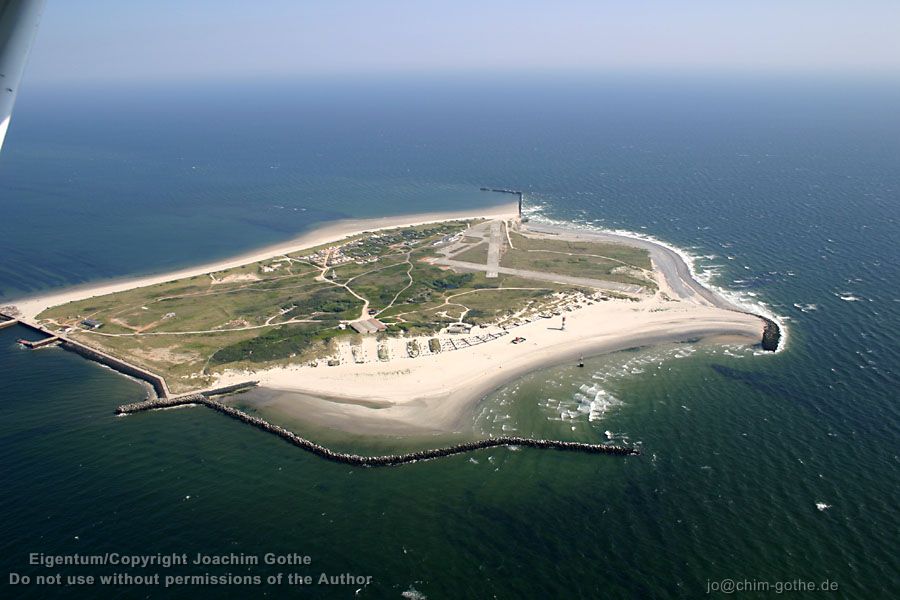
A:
x: 167, y: 40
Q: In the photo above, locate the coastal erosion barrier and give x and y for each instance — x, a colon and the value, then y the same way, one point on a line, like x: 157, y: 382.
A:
x: 771, y: 334
x: 156, y: 382
x: 521, y: 195
x: 368, y: 461
x: 237, y: 388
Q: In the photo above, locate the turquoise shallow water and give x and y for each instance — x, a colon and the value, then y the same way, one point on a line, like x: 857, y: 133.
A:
x: 787, y: 191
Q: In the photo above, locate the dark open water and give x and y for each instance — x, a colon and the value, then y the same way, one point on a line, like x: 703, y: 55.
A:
x: 787, y: 190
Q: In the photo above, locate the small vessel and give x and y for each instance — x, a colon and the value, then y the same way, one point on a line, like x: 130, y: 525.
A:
x: 581, y: 362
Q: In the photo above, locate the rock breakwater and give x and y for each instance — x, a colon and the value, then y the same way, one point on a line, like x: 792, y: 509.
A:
x: 771, y: 335
x: 373, y: 461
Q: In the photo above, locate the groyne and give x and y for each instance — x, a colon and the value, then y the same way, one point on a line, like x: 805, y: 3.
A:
x: 237, y: 388
x: 521, y: 195
x: 387, y: 460
x: 771, y: 334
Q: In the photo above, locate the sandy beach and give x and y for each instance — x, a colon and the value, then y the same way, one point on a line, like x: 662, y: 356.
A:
x: 437, y: 393
x: 329, y: 232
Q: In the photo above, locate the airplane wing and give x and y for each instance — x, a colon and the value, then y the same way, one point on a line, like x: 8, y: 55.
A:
x: 18, y: 23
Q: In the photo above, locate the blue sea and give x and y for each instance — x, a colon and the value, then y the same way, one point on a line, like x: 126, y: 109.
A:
x: 775, y: 471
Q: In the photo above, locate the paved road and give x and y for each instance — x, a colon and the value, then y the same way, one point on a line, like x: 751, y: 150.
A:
x: 672, y: 266
x: 493, y: 257
x: 540, y: 276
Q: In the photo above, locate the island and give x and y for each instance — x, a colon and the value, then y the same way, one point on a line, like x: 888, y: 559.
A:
x: 394, y: 325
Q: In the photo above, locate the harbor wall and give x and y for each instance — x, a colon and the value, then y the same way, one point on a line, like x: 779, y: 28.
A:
x: 157, y: 382
x: 35, y: 328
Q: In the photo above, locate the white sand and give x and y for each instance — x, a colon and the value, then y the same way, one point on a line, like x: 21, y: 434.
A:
x: 330, y: 232
x: 436, y: 392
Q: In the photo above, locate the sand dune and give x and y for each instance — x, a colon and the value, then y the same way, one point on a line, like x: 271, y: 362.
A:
x: 437, y: 392
x: 330, y: 232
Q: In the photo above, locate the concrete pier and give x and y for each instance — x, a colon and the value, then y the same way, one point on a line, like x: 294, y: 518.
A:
x: 372, y: 461
x: 40, y: 343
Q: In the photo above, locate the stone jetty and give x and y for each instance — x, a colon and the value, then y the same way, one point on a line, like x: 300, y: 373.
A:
x: 371, y: 461
x: 521, y: 195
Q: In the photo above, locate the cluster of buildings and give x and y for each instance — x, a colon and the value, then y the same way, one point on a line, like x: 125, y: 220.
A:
x: 275, y: 265
x: 337, y: 255
x: 368, y: 326
x: 367, y: 250
x: 450, y: 238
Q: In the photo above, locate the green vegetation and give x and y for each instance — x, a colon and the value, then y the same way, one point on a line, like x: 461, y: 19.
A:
x: 492, y: 304
x: 611, y: 262
x: 475, y: 254
x: 277, y: 343
x: 381, y: 286
x: 291, y: 308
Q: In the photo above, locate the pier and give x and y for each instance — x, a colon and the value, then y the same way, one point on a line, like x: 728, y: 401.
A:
x: 388, y: 460
x: 50, y: 341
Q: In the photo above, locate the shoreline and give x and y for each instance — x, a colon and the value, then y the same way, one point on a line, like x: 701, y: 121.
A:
x: 730, y: 297
x: 331, y: 231
x: 384, y: 460
x: 436, y: 393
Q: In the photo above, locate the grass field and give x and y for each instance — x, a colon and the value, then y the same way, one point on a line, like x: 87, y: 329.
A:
x: 612, y: 262
x: 476, y: 254
x: 292, y: 308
